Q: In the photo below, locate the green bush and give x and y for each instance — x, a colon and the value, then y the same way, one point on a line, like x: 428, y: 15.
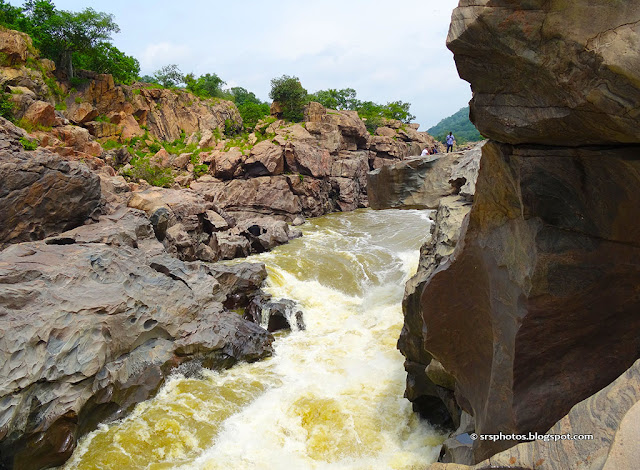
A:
x: 142, y: 168
x: 28, y: 144
x: 6, y: 107
x: 252, y: 112
x: 288, y: 91
x: 200, y: 170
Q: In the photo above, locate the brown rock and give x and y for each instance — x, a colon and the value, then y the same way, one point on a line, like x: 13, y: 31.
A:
x: 307, y: 159
x: 15, y: 46
x: 537, y: 81
x: 41, y: 194
x: 80, y: 113
x: 314, y: 112
x: 162, y: 158
x: 268, y: 195
x: 545, y: 296
x: 41, y: 113
x: 265, y: 159
x: 227, y: 164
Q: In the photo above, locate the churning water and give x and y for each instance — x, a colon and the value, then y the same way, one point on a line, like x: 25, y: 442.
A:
x: 331, y: 397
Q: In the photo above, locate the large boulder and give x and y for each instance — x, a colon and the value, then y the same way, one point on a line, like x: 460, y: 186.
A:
x: 41, y: 194
x: 558, y: 73
x: 267, y: 195
x: 598, y: 433
x: 549, y: 257
x: 550, y: 260
x: 96, y: 325
x: 422, y: 182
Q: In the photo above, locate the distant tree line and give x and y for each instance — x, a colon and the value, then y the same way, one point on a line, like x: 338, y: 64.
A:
x: 72, y: 39
x: 462, y: 128
x: 293, y: 97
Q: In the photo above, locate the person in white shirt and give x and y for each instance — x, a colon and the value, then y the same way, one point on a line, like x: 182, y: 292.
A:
x: 450, y: 141
x: 425, y: 152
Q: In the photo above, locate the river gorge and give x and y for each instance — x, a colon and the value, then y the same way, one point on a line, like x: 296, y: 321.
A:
x: 330, y: 397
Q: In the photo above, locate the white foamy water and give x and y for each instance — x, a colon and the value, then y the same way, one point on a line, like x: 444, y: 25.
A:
x: 331, y: 397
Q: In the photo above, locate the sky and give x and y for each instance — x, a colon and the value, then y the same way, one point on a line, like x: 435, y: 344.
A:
x: 385, y: 50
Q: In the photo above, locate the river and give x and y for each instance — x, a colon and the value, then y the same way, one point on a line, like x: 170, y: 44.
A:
x: 331, y: 397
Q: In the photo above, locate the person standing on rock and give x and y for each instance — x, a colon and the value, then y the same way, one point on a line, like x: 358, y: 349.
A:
x: 450, y: 140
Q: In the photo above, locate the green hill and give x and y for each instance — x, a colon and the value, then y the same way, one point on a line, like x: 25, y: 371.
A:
x: 460, y: 125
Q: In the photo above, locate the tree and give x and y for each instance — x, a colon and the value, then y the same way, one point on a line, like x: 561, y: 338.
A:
x: 288, y: 91
x: 60, y: 34
x: 206, y: 86
x: 398, y: 110
x: 106, y: 58
x: 242, y: 96
x: 336, y: 99
x: 169, y: 76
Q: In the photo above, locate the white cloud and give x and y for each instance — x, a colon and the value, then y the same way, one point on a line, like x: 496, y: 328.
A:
x: 164, y: 53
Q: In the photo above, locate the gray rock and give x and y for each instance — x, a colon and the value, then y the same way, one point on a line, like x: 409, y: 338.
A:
x: 96, y: 327
x: 41, y: 194
x: 422, y: 182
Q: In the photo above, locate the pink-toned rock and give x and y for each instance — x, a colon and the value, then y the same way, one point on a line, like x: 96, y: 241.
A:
x: 308, y: 159
x: 80, y: 113
x: 181, y: 161
x: 162, y: 158
x: 78, y: 139
x: 130, y: 128
x: 41, y: 113
x: 265, y: 159
x: 227, y: 164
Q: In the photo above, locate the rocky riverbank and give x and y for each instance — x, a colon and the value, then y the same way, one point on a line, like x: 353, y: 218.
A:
x: 108, y: 283
x: 535, y: 310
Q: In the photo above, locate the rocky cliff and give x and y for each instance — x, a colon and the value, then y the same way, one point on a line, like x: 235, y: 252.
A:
x: 549, y: 256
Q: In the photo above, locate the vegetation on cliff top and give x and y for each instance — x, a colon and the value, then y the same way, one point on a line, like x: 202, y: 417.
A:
x: 81, y: 38
x: 460, y: 125
x: 288, y: 91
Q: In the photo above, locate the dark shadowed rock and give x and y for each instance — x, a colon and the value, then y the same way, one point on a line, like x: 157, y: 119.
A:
x: 276, y: 315
x: 550, y: 259
x: 610, y: 416
x: 42, y: 194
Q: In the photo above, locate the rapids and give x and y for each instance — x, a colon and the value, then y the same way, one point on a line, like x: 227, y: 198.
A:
x: 331, y: 397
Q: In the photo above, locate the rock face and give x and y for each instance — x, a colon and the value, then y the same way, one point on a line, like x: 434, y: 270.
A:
x: 97, y: 324
x: 164, y: 112
x: 41, y: 193
x: 535, y: 80
x: 421, y: 182
x: 432, y: 391
x: 611, y: 416
x: 549, y: 258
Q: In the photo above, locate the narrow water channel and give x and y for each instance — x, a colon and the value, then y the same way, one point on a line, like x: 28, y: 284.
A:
x: 330, y: 398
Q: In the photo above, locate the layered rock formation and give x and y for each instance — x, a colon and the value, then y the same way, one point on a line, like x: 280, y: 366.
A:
x: 422, y: 182
x: 549, y: 259
x: 40, y: 192
x: 598, y: 433
x: 127, y: 109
